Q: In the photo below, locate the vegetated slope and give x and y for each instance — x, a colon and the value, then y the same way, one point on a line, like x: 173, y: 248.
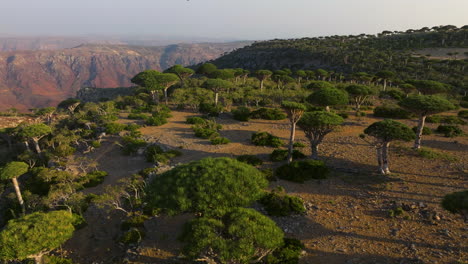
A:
x: 394, y: 51
x: 43, y: 78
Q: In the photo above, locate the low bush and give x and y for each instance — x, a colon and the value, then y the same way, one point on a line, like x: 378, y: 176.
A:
x: 137, y: 116
x: 132, y: 236
x: 269, y: 174
x: 132, y: 127
x: 449, y: 131
x: 300, y: 171
x: 432, y: 154
x: 94, y: 178
x: 114, y: 128
x: 95, y: 144
x: 456, y: 203
x: 289, y: 253
x: 195, y: 120
x: 266, y: 139
x: 441, y: 119
x: 210, y: 109
x: 463, y: 114
x: 343, y: 115
x: 220, y: 141
x: 268, y: 114
x: 250, y: 159
x: 299, y: 145
x: 241, y: 114
x: 392, y: 94
x: 391, y: 111
x: 426, y: 130
x: 55, y: 260
x: 278, y: 203
x: 156, y: 121
x: 282, y: 154
x: 206, y: 133
x: 130, y: 145
x: 136, y: 221
x: 155, y: 153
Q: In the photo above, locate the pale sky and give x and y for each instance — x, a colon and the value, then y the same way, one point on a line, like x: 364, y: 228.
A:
x: 230, y: 19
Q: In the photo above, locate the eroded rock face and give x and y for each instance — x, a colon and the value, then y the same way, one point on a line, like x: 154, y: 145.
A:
x: 43, y: 78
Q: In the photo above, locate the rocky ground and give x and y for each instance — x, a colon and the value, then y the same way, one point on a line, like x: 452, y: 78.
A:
x: 347, y: 219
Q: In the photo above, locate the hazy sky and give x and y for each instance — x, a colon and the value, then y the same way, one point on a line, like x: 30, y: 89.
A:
x: 233, y: 19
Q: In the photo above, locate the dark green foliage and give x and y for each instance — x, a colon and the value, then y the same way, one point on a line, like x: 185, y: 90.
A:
x: 156, y: 120
x: 299, y: 145
x: 282, y: 154
x: 456, y: 203
x: 240, y: 236
x: 130, y: 145
x: 317, y: 85
x: 13, y: 169
x: 205, y: 132
x: 137, y: 116
x: 392, y: 94
x: 389, y: 130
x: 426, y: 104
x: 206, y: 68
x: 429, y: 86
x: 328, y: 97
x: 449, y: 131
x: 464, y: 104
x: 301, y: 171
x: 426, y: 130
x: 95, y: 144
x: 210, y: 186
x: 266, y: 139
x: 391, y: 111
x: 132, y: 236
x: 268, y: 114
x: 278, y: 203
x: 94, y: 178
x: 136, y: 221
x: 463, y: 114
x: 428, y: 153
x: 220, y: 141
x: 395, y: 212
x: 56, y: 260
x: 241, y: 114
x: 290, y: 106
x: 343, y: 115
x: 289, y: 253
x: 35, y: 233
x: 195, y: 120
x: 451, y: 120
x: 250, y: 159
x: 155, y: 153
x: 114, y: 128
x: 210, y: 109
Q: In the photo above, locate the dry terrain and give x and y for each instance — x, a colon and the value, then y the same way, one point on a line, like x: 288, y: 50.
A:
x: 347, y: 217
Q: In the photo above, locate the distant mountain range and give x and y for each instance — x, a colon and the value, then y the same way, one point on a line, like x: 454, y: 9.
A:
x: 45, y: 77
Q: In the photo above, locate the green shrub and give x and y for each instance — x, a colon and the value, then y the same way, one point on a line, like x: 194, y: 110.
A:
x: 456, y: 203
x: 56, y: 260
x: 114, y: 128
x: 220, y: 141
x: 278, y: 203
x: 195, y: 120
x: 94, y: 178
x: 95, y: 144
x: 130, y: 145
x: 132, y: 127
x: 250, y: 159
x: 156, y: 121
x: 210, y: 109
x: 268, y: 114
x: 391, y: 111
x: 426, y: 130
x: 137, y: 116
x: 450, y: 120
x: 432, y: 154
x: 289, y: 253
x: 136, y: 221
x: 395, y: 212
x: 269, y: 175
x: 266, y: 139
x: 155, y: 153
x: 343, y: 115
x: 449, y: 131
x: 299, y: 145
x: 132, y: 236
x: 208, y: 186
x: 392, y: 94
x: 282, y: 154
x: 206, y: 133
x: 464, y: 104
x: 300, y: 171
x: 241, y: 114
x: 463, y: 114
